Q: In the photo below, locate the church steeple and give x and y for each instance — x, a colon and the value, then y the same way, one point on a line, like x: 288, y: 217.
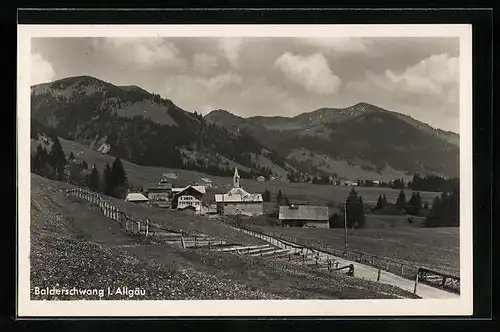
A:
x: 236, y: 178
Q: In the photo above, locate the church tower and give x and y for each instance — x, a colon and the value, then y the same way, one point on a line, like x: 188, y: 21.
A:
x: 236, y: 178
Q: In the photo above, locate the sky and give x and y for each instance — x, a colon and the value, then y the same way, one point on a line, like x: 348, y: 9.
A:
x: 269, y: 76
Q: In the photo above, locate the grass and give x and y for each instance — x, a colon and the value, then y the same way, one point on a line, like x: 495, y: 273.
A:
x: 434, y: 248
x: 298, y: 193
x: 74, y: 245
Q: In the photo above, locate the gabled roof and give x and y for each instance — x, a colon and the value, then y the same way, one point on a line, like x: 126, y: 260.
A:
x: 238, y: 195
x: 200, y: 189
x: 304, y: 212
x: 136, y: 197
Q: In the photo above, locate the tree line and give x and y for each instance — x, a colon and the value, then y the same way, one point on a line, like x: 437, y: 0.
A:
x: 55, y: 165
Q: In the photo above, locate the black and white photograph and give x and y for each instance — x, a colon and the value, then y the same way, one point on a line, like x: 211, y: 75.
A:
x: 321, y: 170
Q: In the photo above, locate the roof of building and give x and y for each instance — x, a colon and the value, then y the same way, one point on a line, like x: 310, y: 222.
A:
x: 304, y: 212
x: 200, y: 189
x: 157, y: 186
x: 136, y: 197
x: 238, y: 195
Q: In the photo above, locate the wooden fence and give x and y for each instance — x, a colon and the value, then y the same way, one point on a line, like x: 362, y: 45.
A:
x: 439, y: 279
x: 400, y: 268
x: 133, y: 226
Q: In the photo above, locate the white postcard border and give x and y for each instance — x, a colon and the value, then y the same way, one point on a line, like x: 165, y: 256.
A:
x: 460, y: 306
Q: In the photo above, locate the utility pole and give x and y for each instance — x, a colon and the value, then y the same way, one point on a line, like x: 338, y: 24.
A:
x: 345, y: 224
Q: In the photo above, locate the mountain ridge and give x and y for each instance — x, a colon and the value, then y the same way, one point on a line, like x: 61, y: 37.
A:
x: 363, y: 139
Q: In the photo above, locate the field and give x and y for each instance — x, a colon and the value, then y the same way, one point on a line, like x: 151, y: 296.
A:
x: 74, y: 245
x: 298, y: 193
x: 434, y: 248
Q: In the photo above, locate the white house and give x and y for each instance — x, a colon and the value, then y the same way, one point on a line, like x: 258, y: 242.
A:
x: 104, y: 149
x: 239, y: 201
x: 261, y: 178
x: 189, y: 198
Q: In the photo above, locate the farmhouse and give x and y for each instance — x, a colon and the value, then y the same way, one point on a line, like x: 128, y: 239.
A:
x: 239, y: 201
x: 190, y: 197
x: 304, y: 216
x: 136, y: 198
x: 104, y: 149
x: 158, y: 192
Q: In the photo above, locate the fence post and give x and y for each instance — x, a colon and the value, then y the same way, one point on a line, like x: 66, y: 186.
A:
x: 182, y: 241
x: 147, y: 226
x: 416, y: 283
x: 387, y: 265
x: 378, y: 275
x: 402, y: 269
x: 138, y: 227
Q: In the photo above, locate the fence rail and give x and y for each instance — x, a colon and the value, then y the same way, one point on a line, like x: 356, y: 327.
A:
x: 423, y: 275
x: 131, y: 225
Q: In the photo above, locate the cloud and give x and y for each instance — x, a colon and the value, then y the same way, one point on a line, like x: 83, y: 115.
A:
x: 435, y: 75
x: 426, y: 90
x: 145, y: 52
x: 230, y: 48
x: 312, y: 72
x: 339, y: 45
x: 185, y: 87
x: 41, y: 70
x: 204, y: 62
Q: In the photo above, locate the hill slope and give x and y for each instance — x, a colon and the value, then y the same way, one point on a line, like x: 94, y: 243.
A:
x: 143, y: 127
x: 362, y: 140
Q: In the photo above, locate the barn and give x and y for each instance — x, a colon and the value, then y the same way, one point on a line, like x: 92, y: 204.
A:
x: 136, y: 198
x: 304, y: 216
x: 158, y: 191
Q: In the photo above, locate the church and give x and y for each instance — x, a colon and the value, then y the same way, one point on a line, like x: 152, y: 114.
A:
x: 237, y: 201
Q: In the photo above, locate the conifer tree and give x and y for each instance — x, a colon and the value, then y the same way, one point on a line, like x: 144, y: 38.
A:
x: 118, y: 179
x: 361, y: 213
x: 94, y: 179
x: 380, y: 203
x: 266, y: 196
x: 286, y: 201
x: 39, y: 161
x: 106, y: 180
x: 57, y: 159
x: 279, y: 198
x: 401, y: 201
x: 355, y: 210
x: 414, y: 205
x: 384, y: 200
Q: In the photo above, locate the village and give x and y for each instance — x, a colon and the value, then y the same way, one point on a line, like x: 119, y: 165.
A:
x: 235, y: 202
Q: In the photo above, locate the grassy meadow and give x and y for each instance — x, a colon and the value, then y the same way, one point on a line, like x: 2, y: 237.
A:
x: 434, y: 248
x: 298, y: 193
